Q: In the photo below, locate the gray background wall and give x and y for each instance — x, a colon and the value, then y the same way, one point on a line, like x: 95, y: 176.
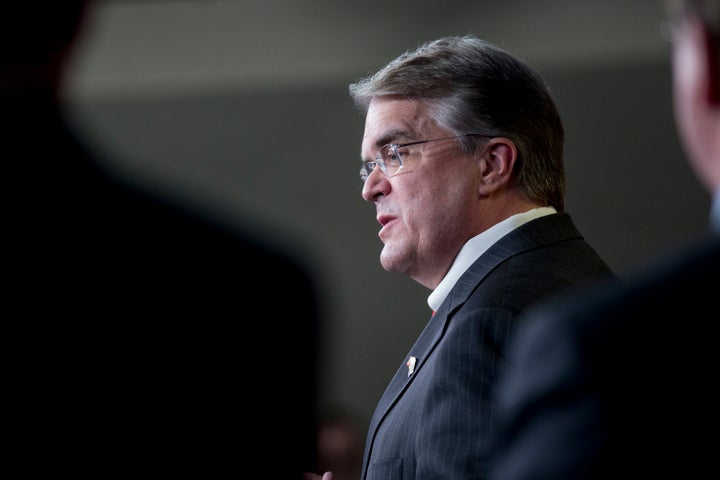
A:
x: 240, y: 107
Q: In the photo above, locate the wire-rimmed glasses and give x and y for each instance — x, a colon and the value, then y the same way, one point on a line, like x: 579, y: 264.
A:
x: 390, y: 157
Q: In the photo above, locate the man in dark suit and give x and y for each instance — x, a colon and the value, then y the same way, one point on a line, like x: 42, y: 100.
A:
x: 149, y: 339
x: 619, y: 383
x: 462, y: 157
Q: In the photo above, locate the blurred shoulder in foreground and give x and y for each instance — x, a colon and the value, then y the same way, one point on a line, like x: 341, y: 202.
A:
x: 148, y: 337
x: 620, y: 380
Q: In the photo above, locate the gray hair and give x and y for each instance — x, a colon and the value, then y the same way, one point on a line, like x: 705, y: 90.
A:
x: 473, y: 86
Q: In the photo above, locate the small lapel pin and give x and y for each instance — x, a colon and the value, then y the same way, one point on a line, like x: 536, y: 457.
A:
x: 411, y: 365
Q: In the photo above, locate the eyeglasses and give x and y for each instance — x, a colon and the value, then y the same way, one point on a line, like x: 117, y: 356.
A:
x: 390, y: 157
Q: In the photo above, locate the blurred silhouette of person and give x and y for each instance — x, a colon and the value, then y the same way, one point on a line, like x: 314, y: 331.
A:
x: 619, y: 382
x: 148, y: 339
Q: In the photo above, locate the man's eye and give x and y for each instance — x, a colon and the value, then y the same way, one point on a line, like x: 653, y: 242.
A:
x: 394, y: 155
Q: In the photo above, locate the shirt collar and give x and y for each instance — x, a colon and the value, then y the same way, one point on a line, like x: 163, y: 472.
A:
x: 476, y: 246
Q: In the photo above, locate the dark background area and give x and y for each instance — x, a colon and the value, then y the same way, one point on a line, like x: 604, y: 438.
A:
x: 241, y: 108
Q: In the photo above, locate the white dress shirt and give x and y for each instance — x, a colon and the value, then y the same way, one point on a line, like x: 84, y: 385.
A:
x: 476, y: 246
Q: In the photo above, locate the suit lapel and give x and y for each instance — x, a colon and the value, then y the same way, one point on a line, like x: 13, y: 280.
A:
x: 430, y: 336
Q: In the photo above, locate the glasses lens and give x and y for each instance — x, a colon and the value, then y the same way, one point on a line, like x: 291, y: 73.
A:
x: 366, y: 169
x: 391, y: 157
x: 388, y: 158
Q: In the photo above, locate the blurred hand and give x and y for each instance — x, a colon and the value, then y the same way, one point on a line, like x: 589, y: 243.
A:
x: 313, y: 476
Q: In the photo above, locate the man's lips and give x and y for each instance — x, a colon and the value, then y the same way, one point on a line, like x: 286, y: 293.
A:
x: 385, y: 219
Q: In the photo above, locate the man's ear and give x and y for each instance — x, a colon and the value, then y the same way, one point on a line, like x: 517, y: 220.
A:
x: 497, y: 163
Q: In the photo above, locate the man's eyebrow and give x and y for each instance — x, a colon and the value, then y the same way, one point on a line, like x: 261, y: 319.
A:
x: 391, y: 135
x: 386, y: 138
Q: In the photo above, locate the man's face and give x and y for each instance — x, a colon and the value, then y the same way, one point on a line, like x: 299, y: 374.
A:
x: 425, y: 209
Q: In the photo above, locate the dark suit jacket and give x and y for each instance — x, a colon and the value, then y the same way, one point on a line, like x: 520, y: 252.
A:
x: 619, y: 383
x: 149, y: 337
x: 437, y: 422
